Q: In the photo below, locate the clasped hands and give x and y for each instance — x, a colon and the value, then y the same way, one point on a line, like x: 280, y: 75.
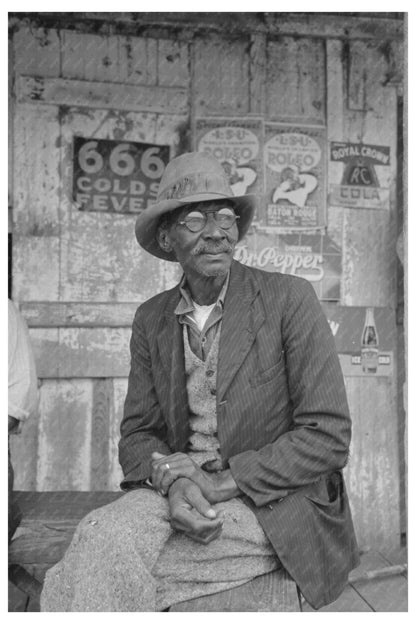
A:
x: 191, y: 491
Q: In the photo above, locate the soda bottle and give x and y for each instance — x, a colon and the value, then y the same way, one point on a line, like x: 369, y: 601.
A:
x: 369, y: 343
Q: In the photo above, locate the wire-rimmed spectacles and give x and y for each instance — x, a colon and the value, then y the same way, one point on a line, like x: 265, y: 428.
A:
x: 195, y: 221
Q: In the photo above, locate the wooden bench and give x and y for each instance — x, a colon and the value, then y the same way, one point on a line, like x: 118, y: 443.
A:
x: 48, y: 523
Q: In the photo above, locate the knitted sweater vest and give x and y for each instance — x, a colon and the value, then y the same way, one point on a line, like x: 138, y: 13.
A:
x: 201, y: 384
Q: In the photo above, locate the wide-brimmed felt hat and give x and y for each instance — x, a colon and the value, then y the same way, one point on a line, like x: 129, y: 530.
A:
x: 189, y: 178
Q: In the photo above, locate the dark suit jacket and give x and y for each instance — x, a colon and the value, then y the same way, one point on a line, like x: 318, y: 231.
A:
x: 283, y: 420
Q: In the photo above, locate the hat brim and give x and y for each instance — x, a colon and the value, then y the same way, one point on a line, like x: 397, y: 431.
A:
x: 148, y: 220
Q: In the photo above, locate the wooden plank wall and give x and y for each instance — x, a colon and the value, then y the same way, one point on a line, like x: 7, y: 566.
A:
x: 79, y: 276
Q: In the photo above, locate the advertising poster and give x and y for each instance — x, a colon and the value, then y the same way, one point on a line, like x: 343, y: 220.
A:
x: 295, y: 176
x: 116, y: 176
x: 315, y: 257
x: 360, y: 186
x: 364, y: 337
x: 237, y: 144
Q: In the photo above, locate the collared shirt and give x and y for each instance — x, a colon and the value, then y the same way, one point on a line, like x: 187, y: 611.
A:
x: 200, y: 341
x: 23, y: 387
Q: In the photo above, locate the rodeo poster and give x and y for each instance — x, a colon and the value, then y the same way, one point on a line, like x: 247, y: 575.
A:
x: 295, y: 177
x: 237, y: 144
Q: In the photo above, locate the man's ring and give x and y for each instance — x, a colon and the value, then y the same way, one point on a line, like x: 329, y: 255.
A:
x: 167, y: 466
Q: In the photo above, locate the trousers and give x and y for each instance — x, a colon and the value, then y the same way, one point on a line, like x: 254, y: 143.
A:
x: 125, y: 556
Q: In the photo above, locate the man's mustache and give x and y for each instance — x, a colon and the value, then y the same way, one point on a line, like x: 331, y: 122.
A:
x: 212, y: 248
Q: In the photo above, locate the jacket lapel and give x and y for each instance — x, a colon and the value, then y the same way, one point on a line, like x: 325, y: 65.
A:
x: 170, y: 345
x: 167, y: 335
x: 243, y: 317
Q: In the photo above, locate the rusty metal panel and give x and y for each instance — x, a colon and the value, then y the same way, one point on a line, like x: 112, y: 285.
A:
x: 173, y: 63
x: 103, y: 250
x: 77, y: 433
x: 81, y: 352
x: 334, y: 101
x: 36, y: 199
x: 357, y: 76
x: 24, y: 454
x: 295, y: 84
x: 334, y: 110
x: 372, y: 472
x: 102, y: 124
x: 90, y: 57
x: 371, y: 65
x: 73, y: 314
x: 94, y: 94
x: 369, y: 258
x: 64, y: 451
x: 138, y: 60
x: 180, y: 25
x: 173, y: 130
x: 37, y: 51
x: 370, y: 235
x: 37, y: 181
x: 258, y: 73
x: 102, y: 403
x: 335, y: 129
x: 35, y: 255
x: 221, y: 76
x: 115, y: 473
x: 130, y: 60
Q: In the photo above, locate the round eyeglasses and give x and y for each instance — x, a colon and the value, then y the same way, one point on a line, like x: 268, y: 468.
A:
x: 195, y: 221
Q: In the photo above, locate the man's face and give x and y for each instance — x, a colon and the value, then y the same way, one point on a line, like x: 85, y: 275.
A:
x: 208, y: 252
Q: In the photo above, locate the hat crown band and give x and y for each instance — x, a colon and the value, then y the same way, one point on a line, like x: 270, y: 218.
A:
x: 194, y: 184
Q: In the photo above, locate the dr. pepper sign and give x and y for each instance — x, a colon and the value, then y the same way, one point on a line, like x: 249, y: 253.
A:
x: 117, y: 176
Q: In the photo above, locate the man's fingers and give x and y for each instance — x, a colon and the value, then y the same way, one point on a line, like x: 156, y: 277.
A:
x: 166, y: 481
x: 207, y: 538
x: 192, y: 519
x: 161, y: 470
x: 193, y: 524
x: 159, y: 458
x: 192, y: 514
x: 178, y: 461
x: 172, y: 467
x: 157, y: 455
x: 169, y: 475
x: 203, y: 536
x: 163, y: 477
x: 167, y: 468
x: 200, y: 503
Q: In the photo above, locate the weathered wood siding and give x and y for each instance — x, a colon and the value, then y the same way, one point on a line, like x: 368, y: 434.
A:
x: 78, y: 276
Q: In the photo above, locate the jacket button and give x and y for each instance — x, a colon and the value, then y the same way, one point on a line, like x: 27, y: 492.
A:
x: 209, y: 373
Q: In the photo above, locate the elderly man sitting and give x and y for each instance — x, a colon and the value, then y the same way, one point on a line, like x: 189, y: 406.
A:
x: 235, y: 428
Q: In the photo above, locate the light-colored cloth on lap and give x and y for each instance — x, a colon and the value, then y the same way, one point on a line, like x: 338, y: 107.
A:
x: 126, y: 557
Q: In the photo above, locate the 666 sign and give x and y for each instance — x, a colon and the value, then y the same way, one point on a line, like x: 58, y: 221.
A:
x: 116, y: 176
